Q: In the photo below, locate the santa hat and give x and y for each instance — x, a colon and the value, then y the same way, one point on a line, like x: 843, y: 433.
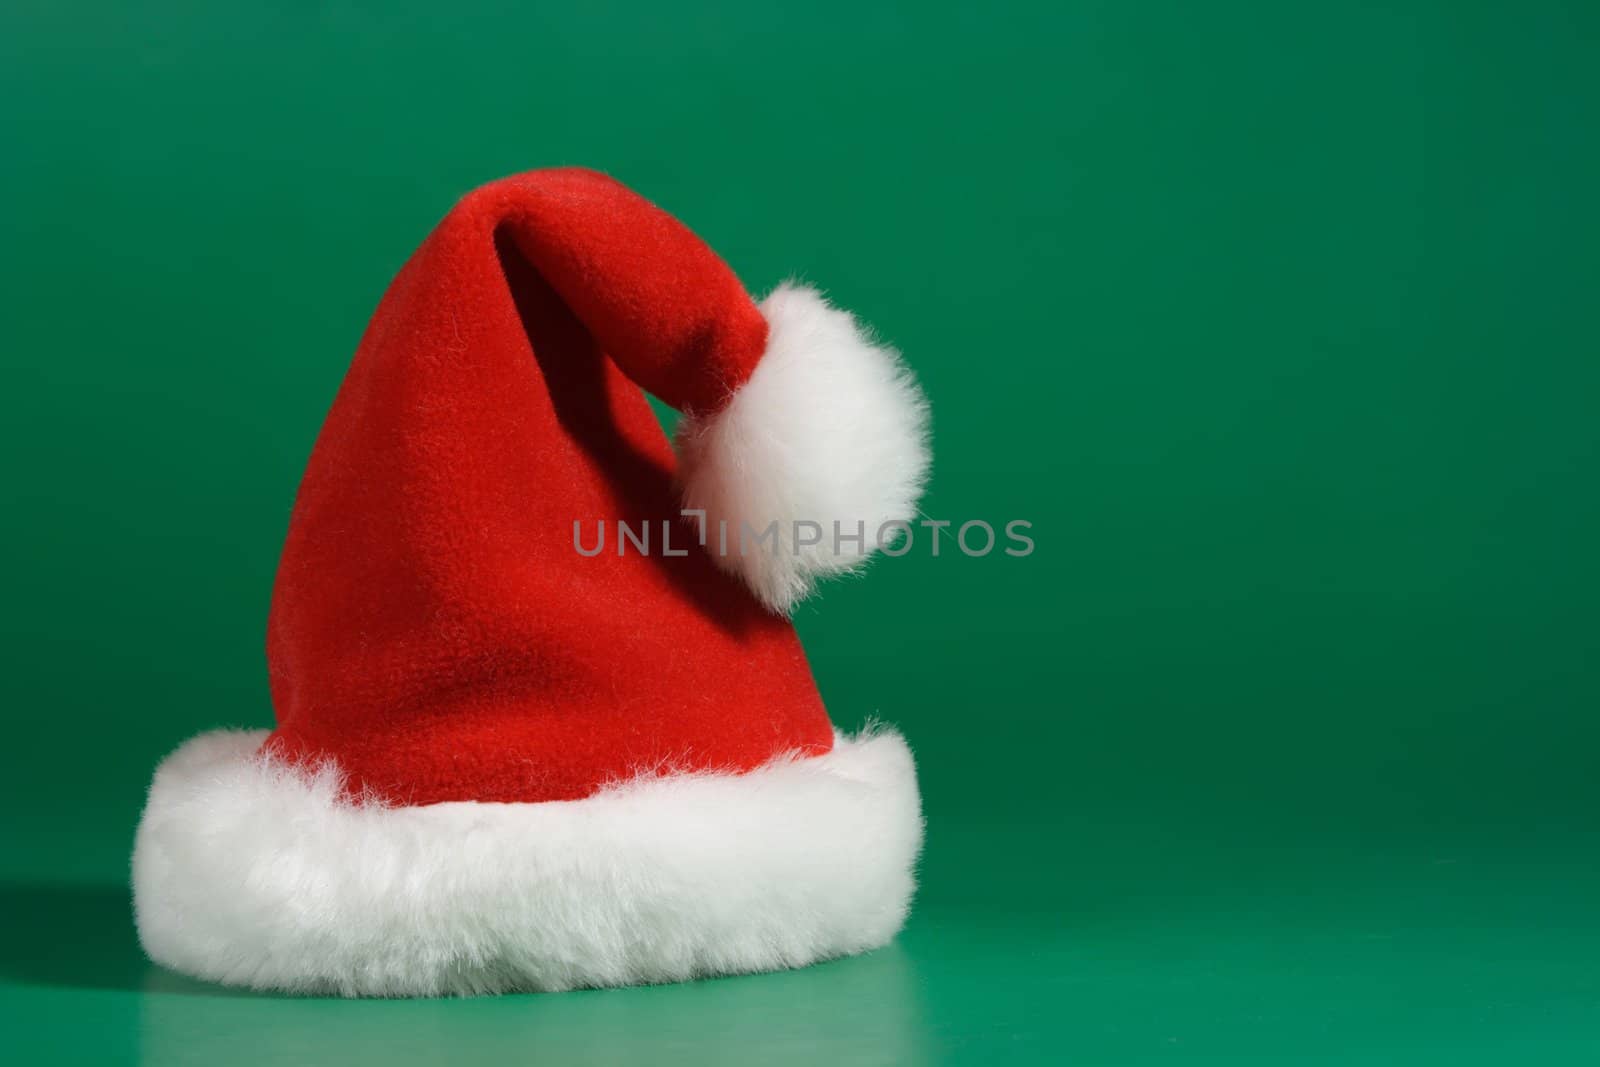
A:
x: 503, y: 760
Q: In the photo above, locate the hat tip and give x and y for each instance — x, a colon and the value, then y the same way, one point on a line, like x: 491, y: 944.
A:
x: 816, y: 461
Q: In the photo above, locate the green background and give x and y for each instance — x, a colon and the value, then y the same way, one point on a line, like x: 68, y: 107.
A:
x: 1278, y: 321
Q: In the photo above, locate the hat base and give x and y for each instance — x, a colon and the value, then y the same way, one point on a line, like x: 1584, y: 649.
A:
x: 250, y: 871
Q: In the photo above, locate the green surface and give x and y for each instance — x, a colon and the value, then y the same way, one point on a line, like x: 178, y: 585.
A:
x: 1278, y: 321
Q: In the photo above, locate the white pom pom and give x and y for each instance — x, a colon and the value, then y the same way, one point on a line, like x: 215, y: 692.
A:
x: 829, y: 433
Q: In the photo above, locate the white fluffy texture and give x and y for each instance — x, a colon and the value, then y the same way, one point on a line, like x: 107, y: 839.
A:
x: 250, y: 872
x: 830, y: 427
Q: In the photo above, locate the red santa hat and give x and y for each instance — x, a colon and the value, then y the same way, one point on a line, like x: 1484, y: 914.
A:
x: 504, y: 763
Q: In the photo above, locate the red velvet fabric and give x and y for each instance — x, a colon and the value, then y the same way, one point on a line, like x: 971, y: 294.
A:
x: 433, y: 628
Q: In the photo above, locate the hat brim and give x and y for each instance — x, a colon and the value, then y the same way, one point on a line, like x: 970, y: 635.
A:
x: 251, y: 872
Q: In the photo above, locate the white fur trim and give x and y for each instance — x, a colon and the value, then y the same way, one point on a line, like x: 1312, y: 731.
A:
x: 251, y: 872
x: 830, y: 428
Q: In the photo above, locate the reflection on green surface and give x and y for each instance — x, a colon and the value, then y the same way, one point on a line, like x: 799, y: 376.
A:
x: 850, y: 1011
